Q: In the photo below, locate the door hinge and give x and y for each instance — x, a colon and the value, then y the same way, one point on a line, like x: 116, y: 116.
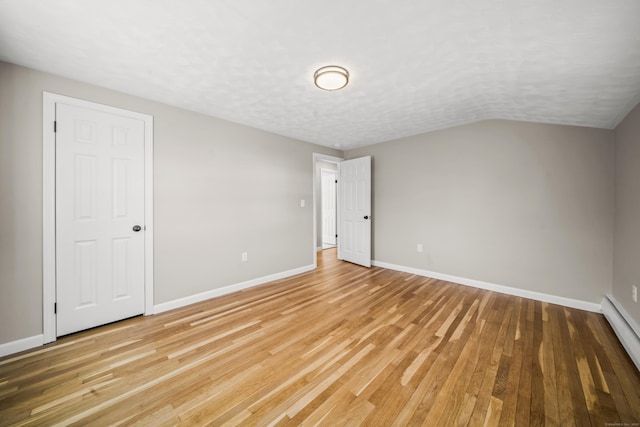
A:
x: 55, y: 308
x: 55, y: 127
x: 336, y: 181
x: 336, y: 236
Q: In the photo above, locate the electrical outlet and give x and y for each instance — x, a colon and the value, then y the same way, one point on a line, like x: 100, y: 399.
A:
x: 244, y: 256
x: 634, y: 293
x: 303, y: 203
x: 419, y: 247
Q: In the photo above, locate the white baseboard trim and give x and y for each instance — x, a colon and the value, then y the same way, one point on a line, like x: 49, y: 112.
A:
x: 182, y: 302
x: 21, y: 345
x: 523, y: 293
x: 624, y: 327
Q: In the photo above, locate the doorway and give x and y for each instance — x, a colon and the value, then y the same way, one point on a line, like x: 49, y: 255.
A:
x: 327, y: 163
x: 353, y: 206
x: 328, y: 207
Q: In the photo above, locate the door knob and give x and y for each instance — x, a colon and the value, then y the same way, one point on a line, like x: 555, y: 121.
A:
x: 366, y: 217
x: 137, y: 228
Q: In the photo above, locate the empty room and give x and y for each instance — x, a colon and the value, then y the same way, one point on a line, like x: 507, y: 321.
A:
x: 260, y: 213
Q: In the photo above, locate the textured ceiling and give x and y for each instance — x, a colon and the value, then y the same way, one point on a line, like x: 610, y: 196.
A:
x: 416, y: 65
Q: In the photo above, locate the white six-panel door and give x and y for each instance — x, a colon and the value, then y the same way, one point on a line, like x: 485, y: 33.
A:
x: 99, y: 199
x: 354, y: 237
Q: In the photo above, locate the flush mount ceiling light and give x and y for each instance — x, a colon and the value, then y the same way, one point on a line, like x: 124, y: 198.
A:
x: 331, y: 77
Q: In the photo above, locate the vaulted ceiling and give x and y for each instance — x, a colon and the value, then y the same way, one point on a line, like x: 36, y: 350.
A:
x: 415, y: 65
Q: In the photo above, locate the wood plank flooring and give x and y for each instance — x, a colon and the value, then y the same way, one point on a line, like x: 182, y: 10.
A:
x: 342, y: 345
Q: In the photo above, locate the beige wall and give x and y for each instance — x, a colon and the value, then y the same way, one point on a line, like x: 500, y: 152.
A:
x: 220, y: 189
x: 626, y: 255
x: 517, y: 204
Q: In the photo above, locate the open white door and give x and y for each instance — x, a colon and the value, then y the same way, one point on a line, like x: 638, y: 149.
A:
x: 354, y: 235
x: 100, y: 214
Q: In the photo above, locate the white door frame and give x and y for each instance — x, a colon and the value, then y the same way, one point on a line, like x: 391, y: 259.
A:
x: 316, y: 158
x: 49, y: 101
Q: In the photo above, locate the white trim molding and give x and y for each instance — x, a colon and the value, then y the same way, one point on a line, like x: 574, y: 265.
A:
x: 523, y: 293
x: 49, y: 101
x: 23, y: 344
x: 183, y: 302
x: 624, y: 326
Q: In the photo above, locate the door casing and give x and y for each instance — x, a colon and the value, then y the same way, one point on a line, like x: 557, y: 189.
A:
x: 317, y: 157
x: 49, y: 101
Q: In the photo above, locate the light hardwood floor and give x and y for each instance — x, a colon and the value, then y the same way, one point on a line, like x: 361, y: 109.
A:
x: 342, y: 345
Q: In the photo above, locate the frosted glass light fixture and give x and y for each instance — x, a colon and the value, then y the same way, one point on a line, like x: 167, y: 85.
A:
x: 331, y: 77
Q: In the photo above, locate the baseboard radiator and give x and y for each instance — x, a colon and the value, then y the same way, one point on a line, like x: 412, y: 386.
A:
x: 624, y: 326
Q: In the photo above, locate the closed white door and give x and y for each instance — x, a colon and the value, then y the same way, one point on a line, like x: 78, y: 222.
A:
x: 328, y: 190
x: 354, y: 237
x: 99, y: 218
